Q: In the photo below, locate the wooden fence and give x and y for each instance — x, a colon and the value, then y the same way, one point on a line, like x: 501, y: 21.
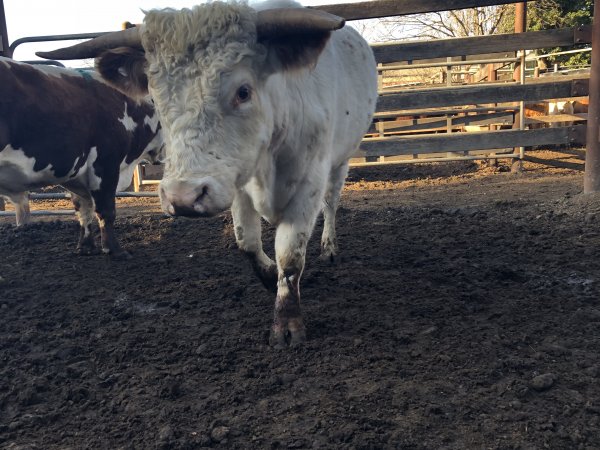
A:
x: 427, y: 123
x: 446, y: 111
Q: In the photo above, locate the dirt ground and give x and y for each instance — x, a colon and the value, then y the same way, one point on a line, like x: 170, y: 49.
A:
x: 464, y: 313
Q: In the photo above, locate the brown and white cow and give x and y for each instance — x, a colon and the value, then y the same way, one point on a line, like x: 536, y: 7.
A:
x: 62, y: 126
x: 262, y: 108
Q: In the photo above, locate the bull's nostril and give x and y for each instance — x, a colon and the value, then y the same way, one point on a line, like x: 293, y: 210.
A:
x: 202, y: 195
x: 201, y: 200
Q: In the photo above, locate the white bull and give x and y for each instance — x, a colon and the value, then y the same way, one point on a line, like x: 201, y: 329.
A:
x: 262, y: 108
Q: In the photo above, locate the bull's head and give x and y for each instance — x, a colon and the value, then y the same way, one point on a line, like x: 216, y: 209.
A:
x: 209, y: 71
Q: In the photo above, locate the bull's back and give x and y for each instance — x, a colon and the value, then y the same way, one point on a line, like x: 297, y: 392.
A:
x: 349, y: 63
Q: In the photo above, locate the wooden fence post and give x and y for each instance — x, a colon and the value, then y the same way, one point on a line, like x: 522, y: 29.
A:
x: 591, y: 180
x: 519, y: 75
x: 4, y: 45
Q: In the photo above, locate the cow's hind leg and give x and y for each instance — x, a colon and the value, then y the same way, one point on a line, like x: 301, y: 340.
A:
x: 329, y: 247
x: 84, y: 208
x: 21, y: 203
x: 104, y: 199
x: 247, y: 228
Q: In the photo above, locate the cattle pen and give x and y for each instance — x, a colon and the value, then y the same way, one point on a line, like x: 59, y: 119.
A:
x: 433, y: 122
x: 463, y: 311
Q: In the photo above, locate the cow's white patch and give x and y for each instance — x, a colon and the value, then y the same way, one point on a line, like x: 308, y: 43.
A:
x: 94, y: 180
x: 126, y: 170
x: 152, y: 122
x: 17, y: 173
x: 127, y: 121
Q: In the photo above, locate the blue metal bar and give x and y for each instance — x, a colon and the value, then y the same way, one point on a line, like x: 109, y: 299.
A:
x: 44, y: 62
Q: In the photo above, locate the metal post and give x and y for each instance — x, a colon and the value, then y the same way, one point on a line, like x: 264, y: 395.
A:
x: 4, y: 46
x: 591, y: 180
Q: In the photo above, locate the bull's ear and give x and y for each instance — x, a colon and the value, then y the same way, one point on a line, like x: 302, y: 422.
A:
x: 295, y: 37
x: 124, y: 68
x: 289, y: 52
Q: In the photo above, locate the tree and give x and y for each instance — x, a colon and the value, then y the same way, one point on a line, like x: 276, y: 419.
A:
x: 547, y: 14
x: 541, y: 15
x: 436, y: 25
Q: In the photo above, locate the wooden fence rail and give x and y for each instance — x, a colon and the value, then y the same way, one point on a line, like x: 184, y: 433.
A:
x: 496, y: 43
x: 386, y: 8
x: 463, y: 142
x: 477, y: 94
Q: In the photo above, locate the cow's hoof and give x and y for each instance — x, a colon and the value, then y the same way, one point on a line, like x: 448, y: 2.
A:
x: 87, y: 251
x: 120, y: 255
x: 281, y: 339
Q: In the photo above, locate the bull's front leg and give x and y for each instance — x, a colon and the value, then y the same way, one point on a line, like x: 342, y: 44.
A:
x: 248, y: 235
x: 290, y: 249
x: 291, y: 239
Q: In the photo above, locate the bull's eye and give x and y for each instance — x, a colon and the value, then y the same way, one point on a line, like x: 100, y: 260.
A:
x: 244, y: 94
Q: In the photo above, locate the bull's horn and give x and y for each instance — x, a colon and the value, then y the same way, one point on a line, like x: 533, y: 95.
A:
x: 92, y: 48
x: 274, y: 22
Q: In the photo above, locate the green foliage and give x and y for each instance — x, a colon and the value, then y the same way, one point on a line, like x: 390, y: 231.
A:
x: 546, y: 14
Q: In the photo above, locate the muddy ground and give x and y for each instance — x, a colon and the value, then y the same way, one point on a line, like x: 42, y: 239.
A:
x: 464, y: 313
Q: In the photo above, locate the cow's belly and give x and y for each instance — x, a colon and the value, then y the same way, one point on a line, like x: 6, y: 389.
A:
x: 17, y: 172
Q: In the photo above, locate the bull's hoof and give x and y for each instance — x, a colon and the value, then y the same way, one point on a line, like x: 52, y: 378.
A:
x: 329, y: 252
x: 329, y: 257
x: 268, y: 277
x: 277, y: 339
x: 297, y: 337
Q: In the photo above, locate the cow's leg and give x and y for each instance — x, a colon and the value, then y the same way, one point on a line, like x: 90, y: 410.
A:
x: 247, y: 228
x: 104, y: 199
x: 84, y: 208
x: 329, y: 247
x: 21, y: 204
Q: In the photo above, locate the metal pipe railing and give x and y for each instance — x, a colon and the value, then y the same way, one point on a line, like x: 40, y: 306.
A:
x: 436, y: 159
x: 67, y: 195
x: 52, y: 38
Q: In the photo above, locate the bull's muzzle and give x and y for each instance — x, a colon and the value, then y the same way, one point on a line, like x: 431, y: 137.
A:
x: 185, y: 198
